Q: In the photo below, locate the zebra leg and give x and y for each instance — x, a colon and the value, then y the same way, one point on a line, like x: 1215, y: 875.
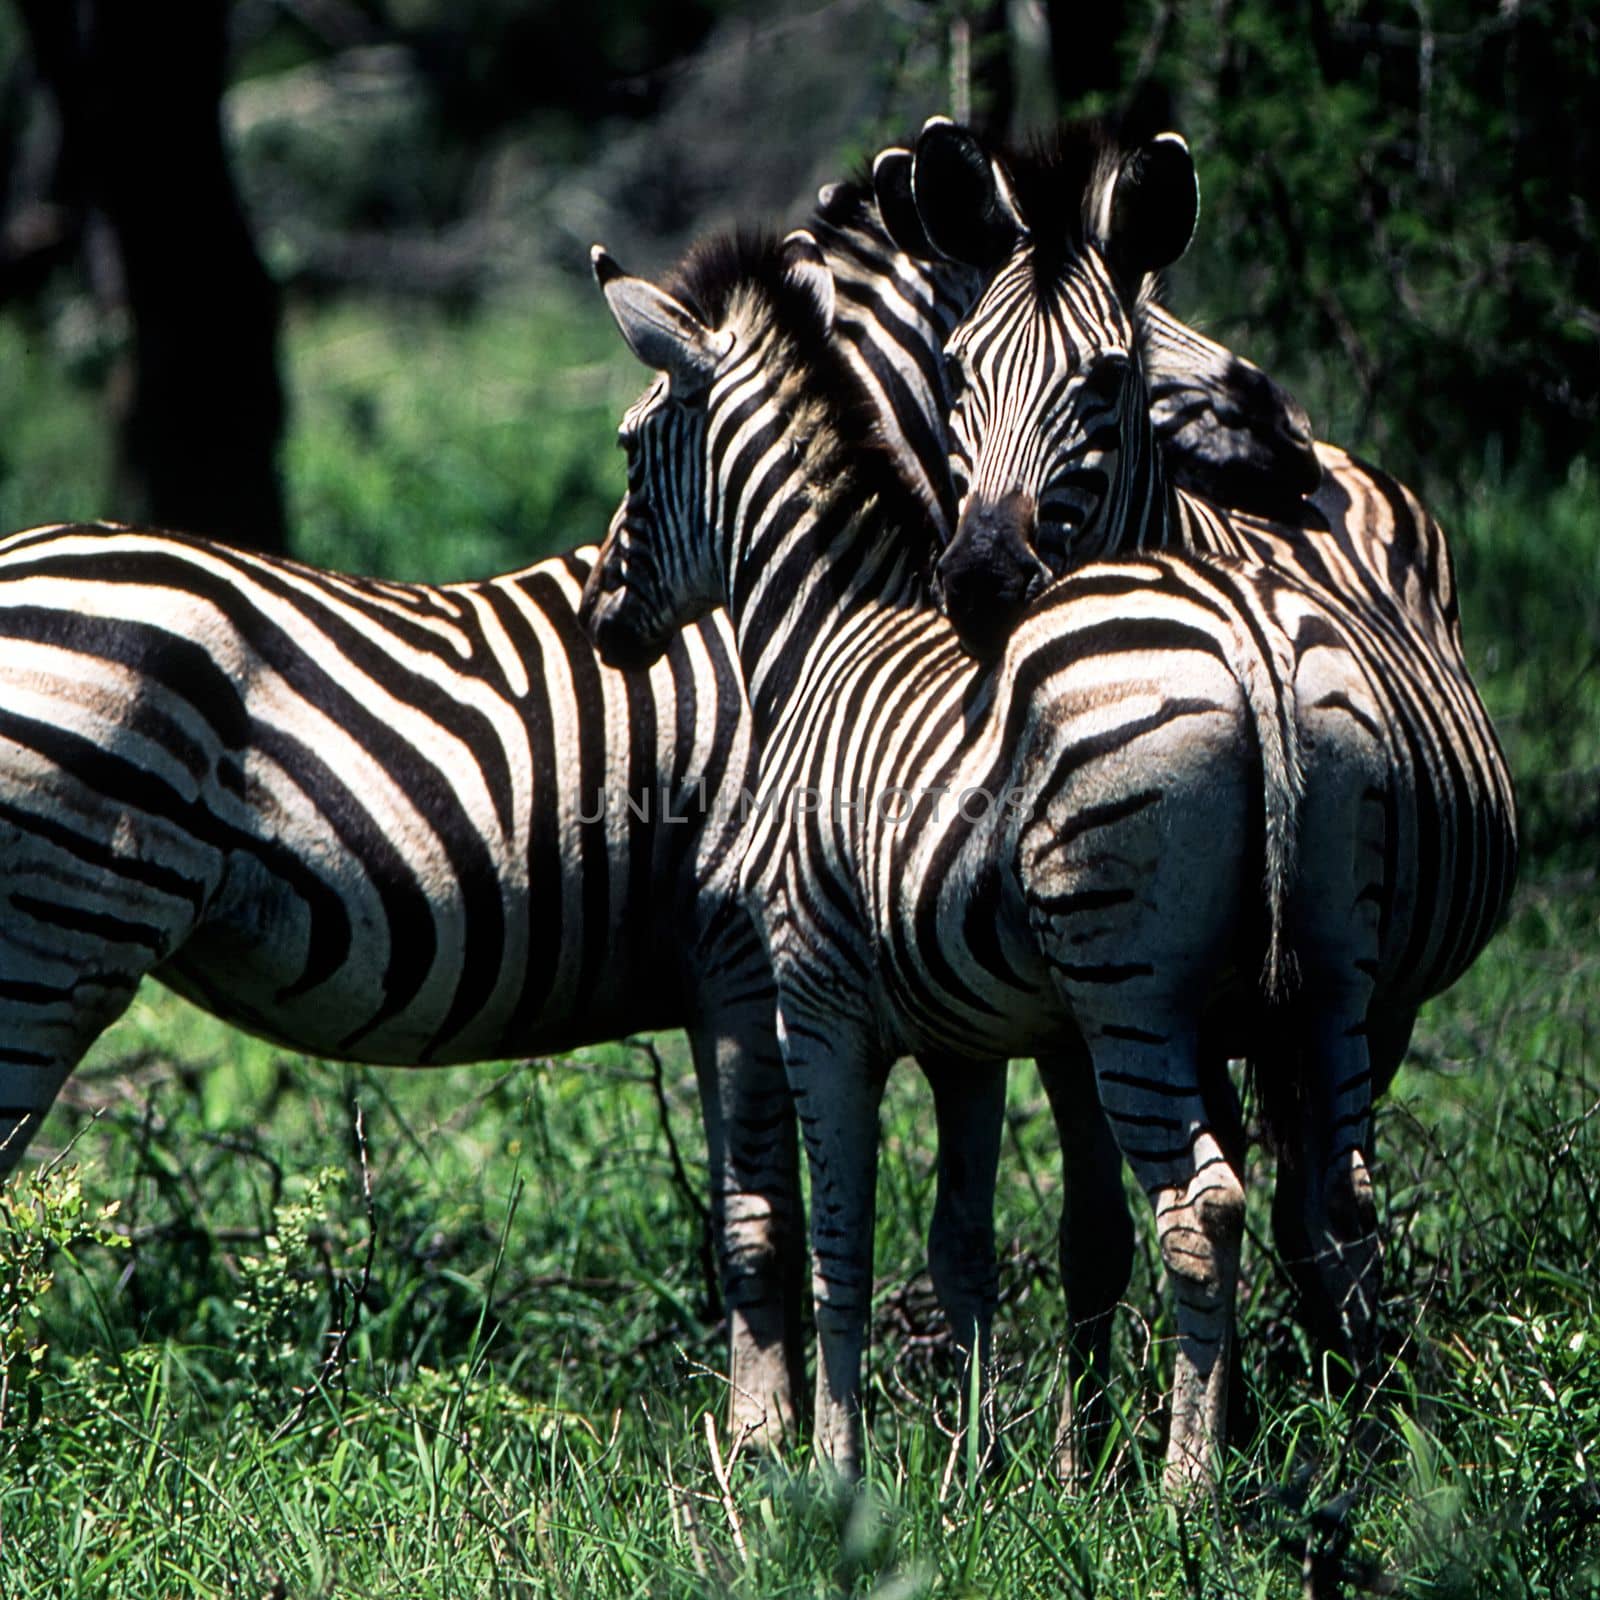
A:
x: 1324, y: 1218
x: 1149, y: 1086
x: 837, y: 1072
x: 55, y: 1001
x: 30, y: 1080
x: 1335, y: 932
x: 1096, y: 1253
x: 1388, y: 1037
x: 969, y: 1101
x: 755, y: 1214
x: 92, y: 898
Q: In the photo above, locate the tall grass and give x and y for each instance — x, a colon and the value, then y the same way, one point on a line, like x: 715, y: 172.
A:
x: 364, y: 1332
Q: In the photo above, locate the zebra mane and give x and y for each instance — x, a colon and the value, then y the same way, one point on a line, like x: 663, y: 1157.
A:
x: 725, y: 271
x: 1060, y: 179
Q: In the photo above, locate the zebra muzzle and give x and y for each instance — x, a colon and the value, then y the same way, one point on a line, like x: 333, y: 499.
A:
x: 609, y: 613
x: 989, y: 572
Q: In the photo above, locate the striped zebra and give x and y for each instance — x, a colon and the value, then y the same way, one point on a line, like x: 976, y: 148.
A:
x: 391, y: 823
x: 1063, y: 852
x: 364, y: 883
x: 1225, y: 430
x: 1054, y: 463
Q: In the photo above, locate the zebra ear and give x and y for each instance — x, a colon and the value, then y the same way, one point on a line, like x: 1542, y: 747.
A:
x: 1155, y: 203
x: 805, y: 266
x: 662, y: 331
x: 891, y: 184
x: 963, y: 197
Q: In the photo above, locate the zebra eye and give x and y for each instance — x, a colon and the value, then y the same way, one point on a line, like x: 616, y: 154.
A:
x: 1105, y: 376
x: 955, y: 377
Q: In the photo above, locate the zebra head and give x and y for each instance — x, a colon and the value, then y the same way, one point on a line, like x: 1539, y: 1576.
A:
x: 667, y: 558
x: 1051, y: 445
x: 1226, y: 430
x: 653, y: 574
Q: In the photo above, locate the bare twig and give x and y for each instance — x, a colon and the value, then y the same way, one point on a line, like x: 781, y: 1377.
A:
x: 680, y: 1173
x: 720, y: 1473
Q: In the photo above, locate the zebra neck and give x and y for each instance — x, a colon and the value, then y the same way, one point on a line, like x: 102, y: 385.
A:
x: 894, y: 314
x: 808, y: 563
x: 815, y: 524
x: 1197, y: 525
x: 1140, y: 510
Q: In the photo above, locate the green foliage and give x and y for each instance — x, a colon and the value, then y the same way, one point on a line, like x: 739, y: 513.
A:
x: 425, y: 447
x: 1398, y: 214
x: 278, y: 1287
x: 44, y: 1216
x: 55, y: 453
x: 514, y: 1397
x: 1528, y: 572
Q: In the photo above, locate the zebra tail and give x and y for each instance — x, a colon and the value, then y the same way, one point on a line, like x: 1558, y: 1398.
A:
x: 1268, y: 683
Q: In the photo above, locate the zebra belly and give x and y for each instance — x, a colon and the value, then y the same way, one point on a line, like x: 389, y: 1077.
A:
x: 393, y: 963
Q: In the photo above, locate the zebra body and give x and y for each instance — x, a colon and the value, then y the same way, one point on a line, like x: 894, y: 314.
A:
x: 1054, y: 463
x: 1368, y: 544
x: 1223, y: 428
x: 1136, y: 760
x: 401, y: 823
x: 388, y: 822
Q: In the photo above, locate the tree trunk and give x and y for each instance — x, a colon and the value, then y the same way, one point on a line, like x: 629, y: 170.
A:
x: 139, y: 89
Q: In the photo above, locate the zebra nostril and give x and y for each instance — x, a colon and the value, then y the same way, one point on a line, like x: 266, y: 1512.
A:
x: 990, y: 571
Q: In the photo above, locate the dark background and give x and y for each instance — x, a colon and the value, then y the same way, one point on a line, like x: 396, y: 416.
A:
x: 1398, y: 197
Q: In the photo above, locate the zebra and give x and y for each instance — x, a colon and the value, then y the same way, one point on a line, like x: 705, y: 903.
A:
x: 1121, y: 783
x: 1224, y: 429
x: 393, y: 823
x: 1053, y: 463
x: 344, y: 923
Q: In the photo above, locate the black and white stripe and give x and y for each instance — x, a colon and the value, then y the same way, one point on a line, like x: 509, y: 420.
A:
x: 1091, y: 878
x: 387, y: 822
x: 1222, y: 427
x: 1051, y: 443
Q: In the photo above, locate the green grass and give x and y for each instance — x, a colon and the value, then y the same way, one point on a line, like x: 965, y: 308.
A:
x: 519, y: 1406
